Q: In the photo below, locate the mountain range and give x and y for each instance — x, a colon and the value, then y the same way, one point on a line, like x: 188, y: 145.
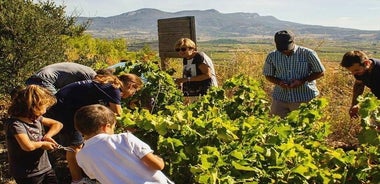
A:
x: 211, y: 24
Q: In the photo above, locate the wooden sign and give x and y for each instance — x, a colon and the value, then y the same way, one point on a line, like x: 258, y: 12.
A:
x: 172, y: 29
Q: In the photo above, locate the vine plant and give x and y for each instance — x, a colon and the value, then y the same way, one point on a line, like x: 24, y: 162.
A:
x: 228, y: 136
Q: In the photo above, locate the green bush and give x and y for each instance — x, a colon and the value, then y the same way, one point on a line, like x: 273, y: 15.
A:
x: 31, y: 36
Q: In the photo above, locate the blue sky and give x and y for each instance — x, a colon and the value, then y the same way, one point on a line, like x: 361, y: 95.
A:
x: 358, y: 14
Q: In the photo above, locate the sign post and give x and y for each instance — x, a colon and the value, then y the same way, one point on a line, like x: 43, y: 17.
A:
x: 169, y: 31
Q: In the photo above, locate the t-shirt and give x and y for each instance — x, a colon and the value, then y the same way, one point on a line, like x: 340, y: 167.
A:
x: 191, y: 69
x: 58, y: 75
x: 371, y: 79
x: 25, y: 163
x: 118, y: 160
x: 78, y: 94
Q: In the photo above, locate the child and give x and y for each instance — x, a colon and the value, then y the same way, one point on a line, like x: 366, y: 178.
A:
x: 114, y: 158
x: 26, y: 141
x: 104, y: 89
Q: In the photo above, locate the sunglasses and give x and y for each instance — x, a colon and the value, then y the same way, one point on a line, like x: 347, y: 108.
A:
x: 183, y: 49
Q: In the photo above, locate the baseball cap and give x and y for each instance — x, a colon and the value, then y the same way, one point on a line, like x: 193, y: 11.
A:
x: 284, y: 40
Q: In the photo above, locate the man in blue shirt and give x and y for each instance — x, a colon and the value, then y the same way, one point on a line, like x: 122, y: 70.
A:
x: 293, y: 69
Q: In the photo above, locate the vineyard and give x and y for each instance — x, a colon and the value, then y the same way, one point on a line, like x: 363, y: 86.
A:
x: 229, y: 137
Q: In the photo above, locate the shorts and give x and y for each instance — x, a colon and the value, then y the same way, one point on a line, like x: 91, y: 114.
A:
x: 68, y: 136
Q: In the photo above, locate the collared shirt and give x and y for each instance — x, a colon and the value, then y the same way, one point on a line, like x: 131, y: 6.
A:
x: 299, y: 65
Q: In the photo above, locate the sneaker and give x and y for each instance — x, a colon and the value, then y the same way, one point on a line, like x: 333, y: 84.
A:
x: 85, y: 180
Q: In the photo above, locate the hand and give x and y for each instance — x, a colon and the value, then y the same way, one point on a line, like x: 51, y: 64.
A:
x: 283, y: 84
x: 49, y: 139
x: 46, y: 145
x: 180, y: 80
x: 296, y: 83
x: 354, y: 111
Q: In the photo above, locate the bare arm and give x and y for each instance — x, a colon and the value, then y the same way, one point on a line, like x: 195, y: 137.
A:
x: 277, y: 81
x: 311, y: 77
x: 116, y: 108
x: 27, y: 145
x: 314, y: 76
x: 54, y: 128
x: 358, y: 90
x: 153, y: 161
x: 206, y: 74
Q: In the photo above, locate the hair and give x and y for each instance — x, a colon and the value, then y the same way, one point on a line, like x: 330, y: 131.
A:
x: 131, y: 80
x: 15, y: 90
x: 185, y: 42
x: 352, y: 57
x: 122, y: 81
x: 108, y: 78
x: 105, y: 71
x: 31, y: 102
x: 89, y: 119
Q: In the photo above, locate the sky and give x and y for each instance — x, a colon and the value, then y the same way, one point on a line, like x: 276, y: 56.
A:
x: 357, y: 14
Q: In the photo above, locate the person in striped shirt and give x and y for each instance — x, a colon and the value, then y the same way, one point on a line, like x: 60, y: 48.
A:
x: 294, y: 70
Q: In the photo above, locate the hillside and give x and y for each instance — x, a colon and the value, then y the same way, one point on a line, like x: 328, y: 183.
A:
x: 211, y: 24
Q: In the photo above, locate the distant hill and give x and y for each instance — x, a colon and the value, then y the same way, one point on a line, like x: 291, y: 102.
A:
x: 211, y: 24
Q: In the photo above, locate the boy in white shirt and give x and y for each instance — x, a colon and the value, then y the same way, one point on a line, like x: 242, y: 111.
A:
x: 114, y: 158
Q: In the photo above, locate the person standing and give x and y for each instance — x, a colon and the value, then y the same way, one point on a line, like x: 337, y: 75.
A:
x: 27, y: 140
x: 366, y: 72
x: 293, y: 70
x: 57, y: 75
x: 198, y: 70
x: 123, y: 158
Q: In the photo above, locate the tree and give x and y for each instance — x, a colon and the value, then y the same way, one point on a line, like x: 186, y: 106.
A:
x: 31, y: 36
